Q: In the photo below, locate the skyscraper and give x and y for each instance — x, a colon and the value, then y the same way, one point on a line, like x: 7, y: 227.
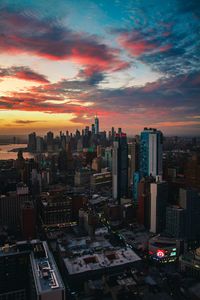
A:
x: 159, y: 197
x: 32, y: 142
x: 96, y: 125
x: 151, y: 141
x: 120, y: 166
x: 93, y: 129
x: 175, y: 221
x: 189, y: 199
x: 50, y: 141
x: 133, y: 155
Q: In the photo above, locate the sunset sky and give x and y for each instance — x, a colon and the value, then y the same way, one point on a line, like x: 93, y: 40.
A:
x: 134, y: 63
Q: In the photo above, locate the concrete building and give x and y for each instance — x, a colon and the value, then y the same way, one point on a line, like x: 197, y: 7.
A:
x: 47, y: 281
x: 101, y: 179
x: 159, y: 198
x: 189, y: 199
x: 28, y: 272
x: 10, y: 210
x: 96, y: 125
x: 175, y: 221
x: 82, y: 177
x: 55, y: 207
x: 190, y: 263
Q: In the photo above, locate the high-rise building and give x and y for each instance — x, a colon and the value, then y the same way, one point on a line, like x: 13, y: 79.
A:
x: 159, y: 198
x: 133, y: 155
x: 28, y: 220
x: 49, y: 141
x: 189, y: 199
x: 108, y: 158
x: 55, y: 207
x: 28, y: 271
x: 175, y: 221
x: 93, y: 129
x: 96, y: 124
x: 192, y: 171
x: 39, y: 144
x: 120, y: 166
x: 144, y: 201
x: 32, y: 142
x: 151, y: 142
x: 10, y: 210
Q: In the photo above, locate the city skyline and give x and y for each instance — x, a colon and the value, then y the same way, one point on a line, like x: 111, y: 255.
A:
x: 133, y: 63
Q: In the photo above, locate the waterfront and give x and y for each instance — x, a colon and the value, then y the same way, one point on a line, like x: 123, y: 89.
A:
x: 5, y: 154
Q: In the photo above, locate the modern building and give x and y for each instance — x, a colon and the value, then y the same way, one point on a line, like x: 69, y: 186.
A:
x: 136, y: 180
x: 49, y: 141
x: 28, y: 272
x: 120, y: 166
x: 39, y: 144
x: 144, y: 201
x: 159, y: 198
x: 32, y: 142
x: 164, y: 249
x: 175, y: 221
x: 151, y: 149
x: 96, y: 125
x: 10, y: 209
x: 133, y: 159
x: 107, y: 158
x: 189, y: 199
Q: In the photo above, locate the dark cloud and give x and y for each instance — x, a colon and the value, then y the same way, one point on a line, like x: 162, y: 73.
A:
x: 24, y: 73
x: 21, y: 33
x: 23, y: 122
x: 174, y: 99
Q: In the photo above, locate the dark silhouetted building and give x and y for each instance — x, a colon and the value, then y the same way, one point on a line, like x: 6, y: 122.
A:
x: 120, y: 166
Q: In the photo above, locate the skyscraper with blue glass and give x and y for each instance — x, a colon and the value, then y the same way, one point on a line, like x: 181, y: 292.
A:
x: 151, y: 149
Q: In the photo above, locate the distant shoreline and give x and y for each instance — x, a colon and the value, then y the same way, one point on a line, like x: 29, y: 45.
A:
x: 19, y: 149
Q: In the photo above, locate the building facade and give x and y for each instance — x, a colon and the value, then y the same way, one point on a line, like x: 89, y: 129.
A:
x: 120, y: 166
x: 151, y: 148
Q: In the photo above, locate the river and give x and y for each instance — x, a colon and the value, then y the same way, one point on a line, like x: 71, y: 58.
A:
x: 5, y: 154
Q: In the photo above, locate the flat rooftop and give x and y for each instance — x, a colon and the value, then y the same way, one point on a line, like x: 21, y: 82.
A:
x: 99, y: 261
x: 44, y: 269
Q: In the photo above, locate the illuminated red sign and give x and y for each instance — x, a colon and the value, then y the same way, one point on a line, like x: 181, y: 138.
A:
x: 160, y: 253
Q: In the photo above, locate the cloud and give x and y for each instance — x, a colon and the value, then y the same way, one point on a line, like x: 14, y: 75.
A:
x: 138, y: 43
x: 22, y: 122
x: 24, y: 73
x: 168, y: 101
x: 169, y: 41
x: 21, y: 33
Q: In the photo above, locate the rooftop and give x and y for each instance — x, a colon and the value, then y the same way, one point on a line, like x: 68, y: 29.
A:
x: 45, y: 272
x: 98, y: 261
x: 44, y: 269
